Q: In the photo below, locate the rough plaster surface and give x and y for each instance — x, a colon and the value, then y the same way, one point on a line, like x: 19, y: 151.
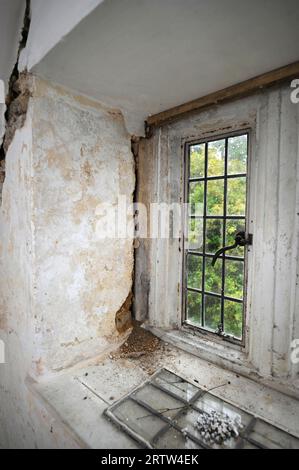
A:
x: 11, y: 18
x: 16, y: 314
x: 82, y: 158
x: 61, y: 286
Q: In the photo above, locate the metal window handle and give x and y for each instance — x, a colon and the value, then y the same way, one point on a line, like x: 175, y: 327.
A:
x: 240, y: 240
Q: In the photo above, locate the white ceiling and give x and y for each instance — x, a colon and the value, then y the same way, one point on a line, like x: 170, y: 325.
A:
x: 11, y: 20
x: 145, y: 56
x: 50, y: 22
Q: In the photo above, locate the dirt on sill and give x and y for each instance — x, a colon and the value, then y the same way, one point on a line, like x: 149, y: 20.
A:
x: 143, y: 346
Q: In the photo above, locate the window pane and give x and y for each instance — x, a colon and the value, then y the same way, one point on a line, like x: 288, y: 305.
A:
x: 197, y: 161
x: 237, y: 155
x: 196, y: 198
x: 236, y: 196
x: 214, y: 235
x: 213, y: 276
x: 195, y: 234
x: 215, y: 197
x: 217, y: 202
x: 194, y: 307
x: 234, y: 277
x: 132, y: 414
x: 232, y: 227
x: 269, y: 437
x: 233, y: 318
x: 194, y: 271
x: 212, y: 312
x: 216, y: 158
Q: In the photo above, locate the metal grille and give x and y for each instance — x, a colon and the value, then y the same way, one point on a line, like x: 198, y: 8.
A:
x: 216, y: 192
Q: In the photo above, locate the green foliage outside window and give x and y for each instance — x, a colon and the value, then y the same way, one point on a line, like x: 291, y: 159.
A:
x: 236, y: 203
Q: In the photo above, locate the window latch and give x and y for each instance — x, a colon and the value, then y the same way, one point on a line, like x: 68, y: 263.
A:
x: 240, y: 240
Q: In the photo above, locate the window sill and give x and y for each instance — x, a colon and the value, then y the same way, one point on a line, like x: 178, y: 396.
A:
x: 224, y: 354
x: 220, y: 352
x: 76, y: 399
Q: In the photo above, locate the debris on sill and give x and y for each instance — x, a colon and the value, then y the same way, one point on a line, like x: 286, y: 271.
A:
x: 215, y: 427
x: 143, y: 346
x: 139, y: 343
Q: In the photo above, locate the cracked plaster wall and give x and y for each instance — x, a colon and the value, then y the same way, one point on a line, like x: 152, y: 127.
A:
x: 61, y: 285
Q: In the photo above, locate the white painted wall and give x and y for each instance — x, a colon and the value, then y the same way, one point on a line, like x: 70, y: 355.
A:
x: 60, y: 286
x: 50, y: 23
x: 273, y: 314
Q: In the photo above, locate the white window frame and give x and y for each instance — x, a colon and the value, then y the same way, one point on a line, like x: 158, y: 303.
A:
x: 271, y: 322
x: 186, y: 144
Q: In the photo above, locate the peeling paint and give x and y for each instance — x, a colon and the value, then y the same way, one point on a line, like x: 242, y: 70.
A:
x: 61, y: 285
x: 16, y: 100
x: 17, y: 109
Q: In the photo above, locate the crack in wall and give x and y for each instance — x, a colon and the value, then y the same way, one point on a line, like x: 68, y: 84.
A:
x: 123, y: 317
x: 16, y: 100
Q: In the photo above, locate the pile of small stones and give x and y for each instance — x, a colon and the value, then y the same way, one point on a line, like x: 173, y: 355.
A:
x: 215, y: 427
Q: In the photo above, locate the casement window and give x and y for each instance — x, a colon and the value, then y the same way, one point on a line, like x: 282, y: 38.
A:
x: 237, y: 165
x: 215, y: 251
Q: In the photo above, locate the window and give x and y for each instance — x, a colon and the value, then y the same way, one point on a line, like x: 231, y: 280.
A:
x: 216, y: 188
x: 168, y: 412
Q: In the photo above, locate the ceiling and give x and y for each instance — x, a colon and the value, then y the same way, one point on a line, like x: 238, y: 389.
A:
x: 145, y: 56
x: 11, y: 19
x: 50, y: 22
